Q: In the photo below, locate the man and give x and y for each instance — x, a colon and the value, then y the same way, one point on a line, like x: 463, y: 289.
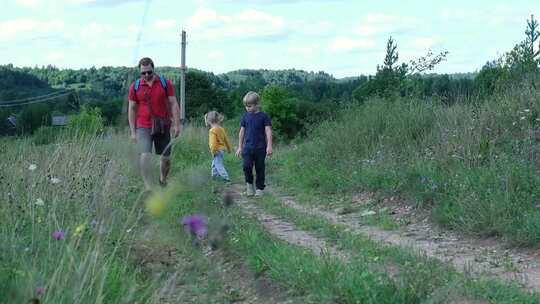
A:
x: 151, y: 101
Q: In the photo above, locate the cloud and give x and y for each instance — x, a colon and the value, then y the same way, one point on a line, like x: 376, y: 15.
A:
x: 496, y: 15
x: 95, y: 30
x: 29, y: 3
x: 459, y: 14
x: 378, y: 23
x: 55, y: 56
x: 424, y: 43
x: 216, y: 55
x: 302, y: 50
x: 210, y: 25
x: 101, y: 2
x: 347, y: 44
x: 165, y: 24
x: 25, y: 26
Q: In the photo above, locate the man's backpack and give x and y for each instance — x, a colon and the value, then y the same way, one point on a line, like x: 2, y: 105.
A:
x: 161, y: 79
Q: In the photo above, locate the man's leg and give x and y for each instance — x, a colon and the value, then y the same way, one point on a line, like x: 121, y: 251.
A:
x: 161, y: 144
x: 144, y: 143
x: 165, y: 167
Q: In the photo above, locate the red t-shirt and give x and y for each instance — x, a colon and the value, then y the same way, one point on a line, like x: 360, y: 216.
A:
x: 154, y: 94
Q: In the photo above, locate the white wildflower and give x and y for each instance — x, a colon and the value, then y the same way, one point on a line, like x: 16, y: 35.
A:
x: 40, y: 202
x: 55, y: 180
x: 522, y: 117
x: 368, y: 212
x: 32, y: 167
x: 527, y: 110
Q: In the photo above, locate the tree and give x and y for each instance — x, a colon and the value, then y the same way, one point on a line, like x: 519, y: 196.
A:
x: 532, y: 34
x: 202, y: 96
x: 283, y: 109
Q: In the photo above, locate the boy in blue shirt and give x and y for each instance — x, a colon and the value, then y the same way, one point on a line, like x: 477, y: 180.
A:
x: 254, y: 143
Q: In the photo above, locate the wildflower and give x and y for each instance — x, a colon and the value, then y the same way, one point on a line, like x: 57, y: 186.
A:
x: 32, y: 167
x: 40, y: 291
x: 522, y: 117
x: 40, y: 202
x: 94, y: 223
x: 129, y: 230
x: 58, y: 235
x: 368, y: 213
x: 195, y: 224
x: 527, y: 110
x: 424, y: 180
x: 78, y: 230
x: 55, y: 180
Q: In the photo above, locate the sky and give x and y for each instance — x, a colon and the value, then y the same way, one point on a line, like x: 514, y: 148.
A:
x: 341, y: 37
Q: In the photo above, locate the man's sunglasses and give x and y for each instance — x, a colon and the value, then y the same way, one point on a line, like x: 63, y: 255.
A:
x: 147, y: 73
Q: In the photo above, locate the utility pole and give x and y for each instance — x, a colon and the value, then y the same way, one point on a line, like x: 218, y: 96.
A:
x: 183, y: 79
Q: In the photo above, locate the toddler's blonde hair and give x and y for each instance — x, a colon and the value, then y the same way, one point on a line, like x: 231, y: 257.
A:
x: 213, y: 117
x: 251, y: 99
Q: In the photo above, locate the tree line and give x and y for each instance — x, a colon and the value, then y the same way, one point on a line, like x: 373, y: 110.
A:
x: 296, y: 98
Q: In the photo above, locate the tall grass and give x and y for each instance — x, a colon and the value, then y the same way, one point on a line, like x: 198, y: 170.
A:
x: 85, y: 188
x: 474, y: 164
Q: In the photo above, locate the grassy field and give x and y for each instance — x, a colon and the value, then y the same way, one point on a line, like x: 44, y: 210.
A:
x: 474, y: 165
x: 76, y: 228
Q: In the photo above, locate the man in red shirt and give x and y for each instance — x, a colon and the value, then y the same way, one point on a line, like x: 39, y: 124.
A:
x: 149, y: 101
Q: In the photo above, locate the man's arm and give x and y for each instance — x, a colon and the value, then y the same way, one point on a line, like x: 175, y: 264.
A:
x: 175, y: 109
x: 132, y: 118
x: 268, y: 131
x: 240, y: 141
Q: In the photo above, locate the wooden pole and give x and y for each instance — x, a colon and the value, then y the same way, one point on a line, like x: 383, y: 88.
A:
x: 183, y: 79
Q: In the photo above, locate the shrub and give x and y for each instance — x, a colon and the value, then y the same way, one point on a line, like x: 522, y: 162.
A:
x: 45, y: 135
x: 88, y: 122
x: 33, y: 116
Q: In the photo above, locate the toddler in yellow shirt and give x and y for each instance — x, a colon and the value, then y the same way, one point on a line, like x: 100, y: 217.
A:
x: 218, y: 142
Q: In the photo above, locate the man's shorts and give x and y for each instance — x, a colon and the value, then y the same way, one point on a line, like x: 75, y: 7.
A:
x: 145, y: 140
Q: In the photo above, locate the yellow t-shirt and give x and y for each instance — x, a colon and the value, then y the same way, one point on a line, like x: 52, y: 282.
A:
x: 218, y: 140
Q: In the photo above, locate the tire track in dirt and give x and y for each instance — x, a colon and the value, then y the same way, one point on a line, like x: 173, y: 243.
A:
x: 181, y: 281
x: 477, y: 256
x: 288, y: 232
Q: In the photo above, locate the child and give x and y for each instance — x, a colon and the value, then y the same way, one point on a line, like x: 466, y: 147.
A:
x: 254, y: 143
x: 218, y: 142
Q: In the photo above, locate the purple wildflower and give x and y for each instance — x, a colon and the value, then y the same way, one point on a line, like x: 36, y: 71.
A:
x: 40, y: 291
x: 94, y: 223
x: 195, y: 224
x: 58, y: 235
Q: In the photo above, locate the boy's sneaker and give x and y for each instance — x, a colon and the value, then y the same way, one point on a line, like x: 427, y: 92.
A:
x: 250, y: 190
x: 259, y: 192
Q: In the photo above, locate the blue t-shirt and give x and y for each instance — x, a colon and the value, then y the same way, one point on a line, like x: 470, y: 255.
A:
x: 254, y: 125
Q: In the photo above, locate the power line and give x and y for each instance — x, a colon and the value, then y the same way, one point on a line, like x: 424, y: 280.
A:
x: 30, y: 98
x: 34, y: 101
x: 139, y: 34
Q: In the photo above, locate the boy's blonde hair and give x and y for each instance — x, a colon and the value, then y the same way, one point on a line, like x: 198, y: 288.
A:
x: 251, y: 99
x: 213, y: 117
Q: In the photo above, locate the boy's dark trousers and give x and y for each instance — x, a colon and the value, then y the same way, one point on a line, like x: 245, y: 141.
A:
x: 254, y: 157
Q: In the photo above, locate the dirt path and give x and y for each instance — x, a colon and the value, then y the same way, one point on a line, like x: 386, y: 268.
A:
x: 212, y: 277
x: 466, y: 254
x: 288, y: 232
